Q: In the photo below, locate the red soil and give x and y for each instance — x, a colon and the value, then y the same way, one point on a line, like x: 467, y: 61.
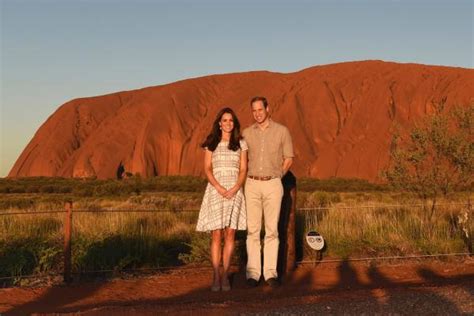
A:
x: 183, y: 291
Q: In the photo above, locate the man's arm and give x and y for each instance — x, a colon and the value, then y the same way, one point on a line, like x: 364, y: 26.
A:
x: 287, y: 162
x: 288, y: 153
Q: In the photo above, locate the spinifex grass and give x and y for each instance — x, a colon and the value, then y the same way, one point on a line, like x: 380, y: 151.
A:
x: 387, y: 231
x: 124, y: 240
x: 100, y: 241
x: 109, y: 240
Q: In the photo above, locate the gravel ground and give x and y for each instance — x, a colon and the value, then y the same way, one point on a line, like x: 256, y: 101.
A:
x: 446, y: 300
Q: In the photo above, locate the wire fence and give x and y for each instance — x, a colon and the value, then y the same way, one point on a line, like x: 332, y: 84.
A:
x: 68, y: 226
x: 195, y: 210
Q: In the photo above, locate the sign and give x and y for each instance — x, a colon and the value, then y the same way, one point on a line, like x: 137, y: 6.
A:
x: 315, y: 240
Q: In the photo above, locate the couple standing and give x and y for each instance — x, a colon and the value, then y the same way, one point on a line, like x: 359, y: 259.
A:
x: 266, y: 152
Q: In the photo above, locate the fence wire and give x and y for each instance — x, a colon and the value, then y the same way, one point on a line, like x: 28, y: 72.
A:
x: 194, y: 210
x: 385, y: 258
x: 177, y: 211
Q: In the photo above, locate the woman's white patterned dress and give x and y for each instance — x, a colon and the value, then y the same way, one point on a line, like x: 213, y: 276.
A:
x: 216, y: 211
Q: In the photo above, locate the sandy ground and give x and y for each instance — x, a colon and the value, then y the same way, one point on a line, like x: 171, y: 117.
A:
x: 406, y: 288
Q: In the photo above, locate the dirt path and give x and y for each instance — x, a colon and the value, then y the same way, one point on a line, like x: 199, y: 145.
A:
x: 404, y: 288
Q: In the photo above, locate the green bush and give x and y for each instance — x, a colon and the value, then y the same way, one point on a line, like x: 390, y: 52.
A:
x: 25, y: 256
x: 119, y: 252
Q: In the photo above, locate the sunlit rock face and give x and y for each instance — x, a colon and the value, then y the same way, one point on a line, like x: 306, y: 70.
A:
x: 341, y: 116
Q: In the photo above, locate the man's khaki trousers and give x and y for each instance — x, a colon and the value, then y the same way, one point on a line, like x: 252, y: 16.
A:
x: 263, y: 198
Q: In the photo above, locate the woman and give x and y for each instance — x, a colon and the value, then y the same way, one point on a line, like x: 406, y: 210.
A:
x: 223, y: 207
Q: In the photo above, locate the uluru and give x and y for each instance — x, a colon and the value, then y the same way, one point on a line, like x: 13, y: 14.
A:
x: 341, y: 117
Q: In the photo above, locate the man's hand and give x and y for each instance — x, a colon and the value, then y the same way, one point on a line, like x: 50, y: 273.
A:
x: 286, y: 165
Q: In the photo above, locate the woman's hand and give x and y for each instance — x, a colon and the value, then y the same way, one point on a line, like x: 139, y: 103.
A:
x: 232, y: 192
x: 221, y: 190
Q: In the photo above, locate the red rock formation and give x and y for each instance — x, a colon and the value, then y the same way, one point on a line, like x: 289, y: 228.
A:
x: 341, y: 116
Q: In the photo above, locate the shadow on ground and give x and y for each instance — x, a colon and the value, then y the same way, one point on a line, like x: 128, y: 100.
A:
x: 345, y: 290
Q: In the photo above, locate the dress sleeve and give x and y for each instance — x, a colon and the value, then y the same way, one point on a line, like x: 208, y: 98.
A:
x: 243, y: 145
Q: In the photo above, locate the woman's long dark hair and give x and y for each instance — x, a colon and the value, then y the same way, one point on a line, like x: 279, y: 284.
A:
x: 214, y: 138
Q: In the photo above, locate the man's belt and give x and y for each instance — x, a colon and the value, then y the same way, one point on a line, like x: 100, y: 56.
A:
x: 266, y: 178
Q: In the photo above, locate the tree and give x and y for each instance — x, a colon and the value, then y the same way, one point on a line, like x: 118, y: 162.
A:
x: 438, y: 156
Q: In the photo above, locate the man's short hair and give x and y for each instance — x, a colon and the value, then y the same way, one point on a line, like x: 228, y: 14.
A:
x: 263, y: 99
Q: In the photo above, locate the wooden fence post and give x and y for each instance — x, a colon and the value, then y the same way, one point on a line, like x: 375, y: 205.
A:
x: 67, y: 242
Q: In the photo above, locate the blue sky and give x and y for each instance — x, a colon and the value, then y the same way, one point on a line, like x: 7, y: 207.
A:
x: 55, y: 51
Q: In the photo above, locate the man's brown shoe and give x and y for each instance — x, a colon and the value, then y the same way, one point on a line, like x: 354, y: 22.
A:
x: 252, y: 282
x: 273, y: 282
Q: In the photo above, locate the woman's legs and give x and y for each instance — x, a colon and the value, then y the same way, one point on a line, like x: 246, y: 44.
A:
x: 216, y: 255
x: 229, y: 245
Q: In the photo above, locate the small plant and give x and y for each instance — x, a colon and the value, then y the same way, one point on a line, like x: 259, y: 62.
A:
x: 199, y: 249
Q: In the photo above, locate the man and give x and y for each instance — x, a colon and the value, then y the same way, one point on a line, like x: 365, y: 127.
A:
x: 270, y: 156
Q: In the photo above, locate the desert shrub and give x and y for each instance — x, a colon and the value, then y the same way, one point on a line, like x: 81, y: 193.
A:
x: 64, y: 189
x: 437, y: 157
x: 16, y: 202
x: 32, y: 189
x: 47, y: 189
x: 118, y: 252
x: 322, y: 199
x: 17, y: 258
x: 49, y: 258
x: 16, y: 189
x: 83, y: 191
x: 24, y: 256
x: 108, y: 189
x: 199, y: 249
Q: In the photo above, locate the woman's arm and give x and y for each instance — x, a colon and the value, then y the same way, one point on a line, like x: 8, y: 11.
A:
x: 210, y: 176
x: 242, y: 175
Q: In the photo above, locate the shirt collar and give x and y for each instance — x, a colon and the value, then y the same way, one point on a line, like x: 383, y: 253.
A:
x: 270, y: 124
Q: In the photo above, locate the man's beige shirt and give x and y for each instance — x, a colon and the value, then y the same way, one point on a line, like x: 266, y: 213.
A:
x: 267, y: 149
